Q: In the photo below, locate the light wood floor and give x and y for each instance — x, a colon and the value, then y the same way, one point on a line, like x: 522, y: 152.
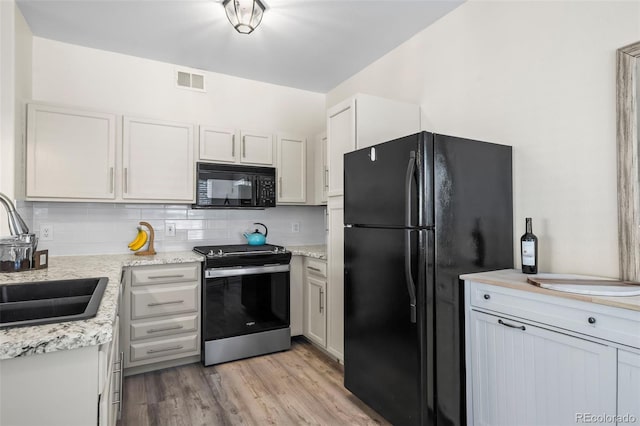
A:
x: 301, y: 386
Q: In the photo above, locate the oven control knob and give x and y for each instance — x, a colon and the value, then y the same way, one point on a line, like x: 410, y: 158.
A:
x: 210, y: 253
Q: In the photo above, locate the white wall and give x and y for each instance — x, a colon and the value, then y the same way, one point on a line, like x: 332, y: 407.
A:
x: 539, y: 76
x: 80, y: 76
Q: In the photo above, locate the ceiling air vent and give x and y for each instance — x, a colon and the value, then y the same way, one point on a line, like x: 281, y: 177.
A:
x: 187, y: 80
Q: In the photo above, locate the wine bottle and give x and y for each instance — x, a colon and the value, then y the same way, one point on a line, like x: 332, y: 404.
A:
x: 529, y: 250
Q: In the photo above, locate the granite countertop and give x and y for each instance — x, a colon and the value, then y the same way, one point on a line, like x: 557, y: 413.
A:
x: 315, y: 251
x: 24, y: 341
x: 512, y: 278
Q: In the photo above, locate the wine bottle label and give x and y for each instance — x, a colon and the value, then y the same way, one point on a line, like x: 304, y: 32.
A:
x: 529, y: 253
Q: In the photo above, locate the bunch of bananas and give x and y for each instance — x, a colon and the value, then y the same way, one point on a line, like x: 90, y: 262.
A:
x: 140, y: 240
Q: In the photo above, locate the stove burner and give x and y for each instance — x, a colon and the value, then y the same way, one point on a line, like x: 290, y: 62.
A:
x: 238, y: 250
x: 242, y: 254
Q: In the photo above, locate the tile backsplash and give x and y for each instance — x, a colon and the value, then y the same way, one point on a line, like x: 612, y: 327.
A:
x: 107, y: 228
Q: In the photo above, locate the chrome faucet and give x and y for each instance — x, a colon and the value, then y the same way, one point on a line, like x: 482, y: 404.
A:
x: 16, y: 224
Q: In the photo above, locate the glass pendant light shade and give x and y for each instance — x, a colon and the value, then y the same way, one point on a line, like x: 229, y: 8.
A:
x: 244, y: 15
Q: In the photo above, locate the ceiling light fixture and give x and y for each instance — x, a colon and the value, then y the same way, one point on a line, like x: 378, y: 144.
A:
x: 244, y: 15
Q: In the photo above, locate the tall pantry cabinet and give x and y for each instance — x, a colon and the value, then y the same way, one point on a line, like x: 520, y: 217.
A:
x: 355, y: 123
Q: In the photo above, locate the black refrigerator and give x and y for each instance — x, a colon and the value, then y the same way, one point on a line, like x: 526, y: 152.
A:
x: 419, y: 211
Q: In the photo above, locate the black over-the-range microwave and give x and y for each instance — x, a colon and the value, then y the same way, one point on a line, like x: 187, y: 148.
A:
x: 222, y: 186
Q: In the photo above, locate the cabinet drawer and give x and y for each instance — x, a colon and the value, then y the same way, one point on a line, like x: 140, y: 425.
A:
x: 604, y: 322
x: 316, y: 267
x: 165, y: 300
x: 164, y: 348
x: 165, y: 274
x: 165, y: 327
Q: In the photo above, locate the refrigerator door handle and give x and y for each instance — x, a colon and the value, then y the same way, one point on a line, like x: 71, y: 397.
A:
x: 408, y: 180
x: 411, y: 167
x: 411, y: 287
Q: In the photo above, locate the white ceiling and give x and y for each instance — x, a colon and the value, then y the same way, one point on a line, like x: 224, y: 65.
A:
x: 306, y: 44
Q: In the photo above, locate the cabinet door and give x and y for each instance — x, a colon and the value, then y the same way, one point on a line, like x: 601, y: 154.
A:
x: 324, y: 169
x: 526, y: 375
x: 341, y: 134
x: 629, y: 384
x: 296, y: 298
x: 217, y: 144
x: 335, y: 284
x: 70, y: 153
x: 315, y: 310
x: 292, y: 169
x: 256, y: 148
x: 158, y: 160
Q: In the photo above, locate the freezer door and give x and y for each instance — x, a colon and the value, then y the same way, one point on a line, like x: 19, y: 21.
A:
x: 474, y: 233
x: 383, y: 362
x: 376, y: 181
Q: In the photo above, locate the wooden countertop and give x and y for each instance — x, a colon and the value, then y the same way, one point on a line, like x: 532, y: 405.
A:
x: 512, y: 278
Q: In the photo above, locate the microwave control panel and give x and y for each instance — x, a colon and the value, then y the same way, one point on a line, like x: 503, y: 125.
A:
x: 266, y: 191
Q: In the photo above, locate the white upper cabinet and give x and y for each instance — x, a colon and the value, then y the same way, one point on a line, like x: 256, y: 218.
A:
x: 362, y: 121
x: 341, y: 133
x: 158, y: 161
x: 321, y: 170
x: 70, y: 153
x: 217, y: 144
x: 291, y: 168
x: 226, y: 145
x: 256, y: 148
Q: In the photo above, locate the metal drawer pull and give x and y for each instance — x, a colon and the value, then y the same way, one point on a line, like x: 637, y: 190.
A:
x: 314, y: 269
x: 173, y: 302
x: 244, y: 147
x: 158, y: 330
x: 126, y: 180
x: 155, y: 277
x: 321, y: 297
x: 592, y: 320
x: 280, y: 186
x: 233, y: 146
x: 111, y: 180
x: 172, y: 348
x: 521, y: 327
x: 487, y: 297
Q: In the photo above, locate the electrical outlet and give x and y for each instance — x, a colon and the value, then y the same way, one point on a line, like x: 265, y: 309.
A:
x: 46, y: 232
x: 295, y: 227
x: 170, y: 229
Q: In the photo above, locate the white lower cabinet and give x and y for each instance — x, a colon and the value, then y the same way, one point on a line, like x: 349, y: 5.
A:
x: 316, y: 313
x: 315, y: 301
x: 111, y: 397
x: 67, y: 387
x: 161, y: 316
x: 629, y: 385
x: 296, y: 297
x: 335, y: 282
x: 535, y: 359
x: 527, y: 375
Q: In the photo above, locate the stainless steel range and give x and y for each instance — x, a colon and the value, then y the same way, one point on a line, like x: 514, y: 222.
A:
x: 245, y: 301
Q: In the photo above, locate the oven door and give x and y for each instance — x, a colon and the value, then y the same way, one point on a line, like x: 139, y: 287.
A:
x: 240, y: 301
x: 226, y: 189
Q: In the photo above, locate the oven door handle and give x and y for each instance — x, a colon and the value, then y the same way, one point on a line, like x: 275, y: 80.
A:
x: 252, y: 270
